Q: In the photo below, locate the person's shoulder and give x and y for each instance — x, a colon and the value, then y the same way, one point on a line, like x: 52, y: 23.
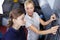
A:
x: 36, y: 14
x: 26, y: 16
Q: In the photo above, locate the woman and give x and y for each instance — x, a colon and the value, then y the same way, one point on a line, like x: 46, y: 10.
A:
x: 16, y: 22
x: 33, y: 20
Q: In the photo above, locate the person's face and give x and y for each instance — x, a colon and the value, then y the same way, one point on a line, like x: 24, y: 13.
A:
x: 19, y: 20
x: 29, y: 8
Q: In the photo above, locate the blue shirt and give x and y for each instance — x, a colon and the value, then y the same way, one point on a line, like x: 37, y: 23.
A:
x: 13, y: 34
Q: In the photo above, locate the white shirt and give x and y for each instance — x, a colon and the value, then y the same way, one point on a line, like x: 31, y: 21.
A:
x: 42, y: 2
x: 1, y: 9
x: 29, y: 21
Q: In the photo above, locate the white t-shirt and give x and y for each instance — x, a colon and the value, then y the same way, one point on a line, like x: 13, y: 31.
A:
x: 42, y: 2
x: 1, y: 9
x: 29, y: 21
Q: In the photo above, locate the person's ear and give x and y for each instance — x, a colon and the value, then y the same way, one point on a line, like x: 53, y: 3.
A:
x: 14, y: 20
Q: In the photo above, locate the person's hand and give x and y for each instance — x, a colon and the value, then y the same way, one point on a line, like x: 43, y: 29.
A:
x: 53, y: 17
x: 53, y: 30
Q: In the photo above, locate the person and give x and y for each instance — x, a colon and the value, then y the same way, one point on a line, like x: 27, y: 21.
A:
x: 16, y: 21
x: 1, y: 9
x: 33, y: 20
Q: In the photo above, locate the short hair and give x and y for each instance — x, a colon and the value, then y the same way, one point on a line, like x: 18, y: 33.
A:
x: 28, y: 1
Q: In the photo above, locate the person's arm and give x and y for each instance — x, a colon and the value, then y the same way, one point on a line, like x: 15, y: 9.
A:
x: 45, y: 23
x: 52, y: 30
x: 53, y: 17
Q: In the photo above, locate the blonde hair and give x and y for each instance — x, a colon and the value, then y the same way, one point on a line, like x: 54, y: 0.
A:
x: 28, y: 2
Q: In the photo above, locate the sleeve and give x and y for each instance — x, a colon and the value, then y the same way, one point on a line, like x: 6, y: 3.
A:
x: 37, y: 16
